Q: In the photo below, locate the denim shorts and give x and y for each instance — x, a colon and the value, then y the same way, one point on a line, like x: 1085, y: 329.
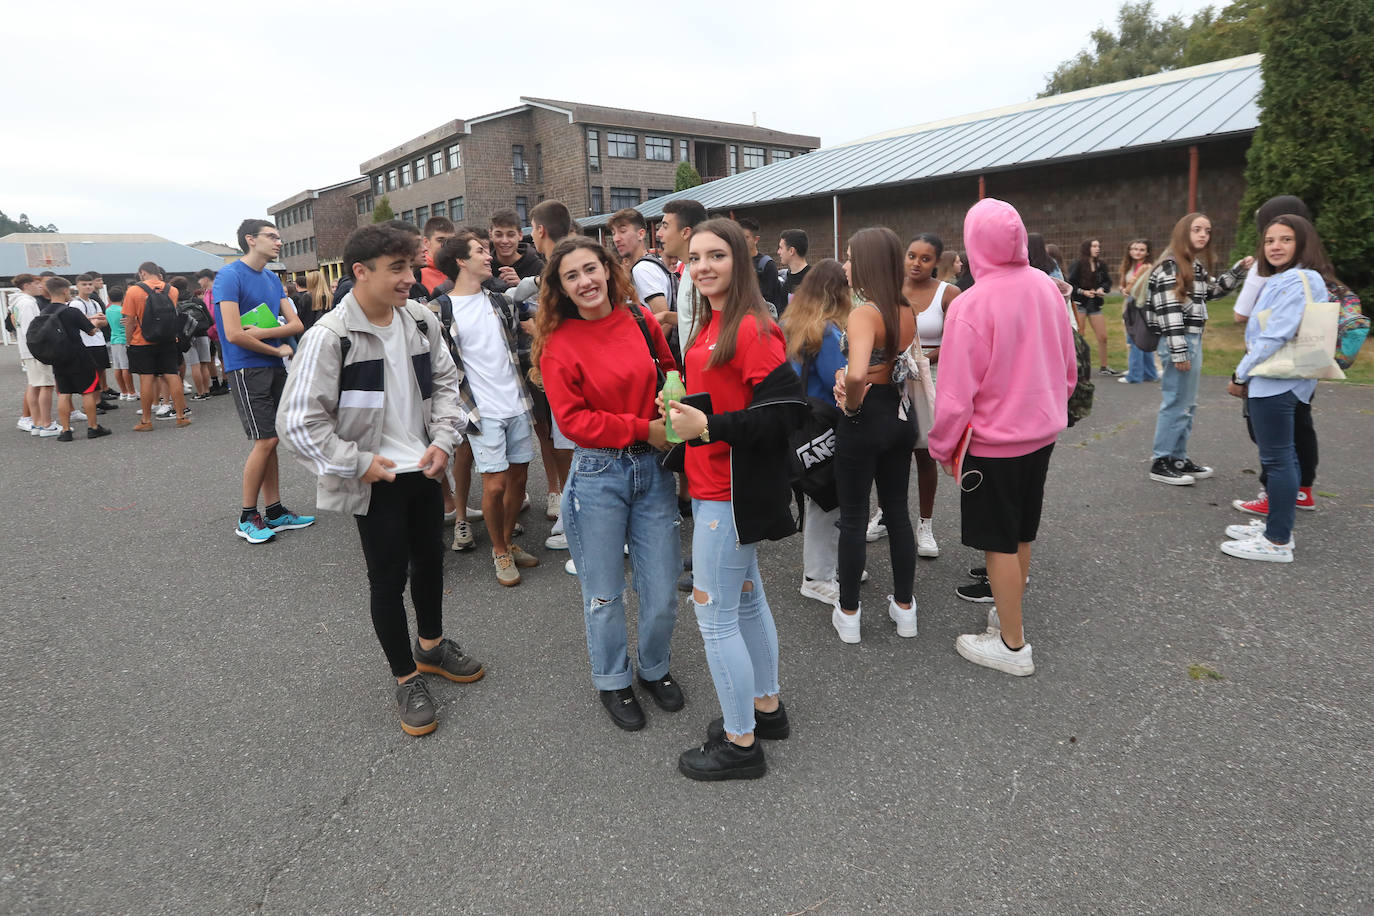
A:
x: 502, y: 442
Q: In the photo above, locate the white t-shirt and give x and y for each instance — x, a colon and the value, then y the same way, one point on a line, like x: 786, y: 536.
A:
x: 651, y: 280
x: 90, y: 308
x: 686, y: 302
x: 486, y: 357
x: 25, y: 309
x: 1249, y: 292
x: 403, y: 426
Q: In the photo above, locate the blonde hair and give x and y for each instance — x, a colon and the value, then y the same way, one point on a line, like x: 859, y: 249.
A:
x: 318, y: 288
x: 823, y: 298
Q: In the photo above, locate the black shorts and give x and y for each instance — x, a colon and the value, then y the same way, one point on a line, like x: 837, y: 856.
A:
x: 154, y: 359
x: 1090, y: 306
x: 539, y: 403
x: 1001, y: 500
x: 75, y: 378
x: 257, y: 392
x: 100, y: 356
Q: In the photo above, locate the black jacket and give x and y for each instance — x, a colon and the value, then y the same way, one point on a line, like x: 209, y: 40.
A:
x: 760, y: 489
x: 1100, y: 279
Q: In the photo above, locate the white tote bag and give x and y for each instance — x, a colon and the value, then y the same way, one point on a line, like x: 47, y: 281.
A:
x: 918, y: 391
x: 1311, y: 351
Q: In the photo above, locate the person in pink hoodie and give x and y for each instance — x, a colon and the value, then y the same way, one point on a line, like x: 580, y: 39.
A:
x: 1007, y: 368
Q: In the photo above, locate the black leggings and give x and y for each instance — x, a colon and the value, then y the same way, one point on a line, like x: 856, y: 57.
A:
x: 1304, y: 439
x: 403, y: 532
x: 875, y: 447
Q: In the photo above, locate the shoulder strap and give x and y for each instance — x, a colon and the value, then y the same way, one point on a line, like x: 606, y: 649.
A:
x: 648, y: 342
x: 420, y: 319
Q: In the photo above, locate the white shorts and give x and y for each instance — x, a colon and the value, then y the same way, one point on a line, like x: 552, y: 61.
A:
x: 40, y: 374
x: 502, y: 443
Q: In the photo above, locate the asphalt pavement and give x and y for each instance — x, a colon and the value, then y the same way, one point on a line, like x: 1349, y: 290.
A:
x: 197, y: 725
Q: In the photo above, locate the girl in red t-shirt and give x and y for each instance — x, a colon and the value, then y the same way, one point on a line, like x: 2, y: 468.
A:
x: 601, y: 376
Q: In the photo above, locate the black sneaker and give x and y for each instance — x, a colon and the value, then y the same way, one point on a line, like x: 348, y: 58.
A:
x: 221, y: 389
x: 722, y: 759
x: 1106, y: 371
x: 1198, y: 471
x: 770, y: 726
x: 97, y: 432
x: 624, y: 708
x: 978, y: 572
x: 1165, y: 471
x: 416, y: 707
x: 665, y: 691
x: 684, y: 581
x: 979, y: 592
x: 448, y: 660
x: 64, y: 436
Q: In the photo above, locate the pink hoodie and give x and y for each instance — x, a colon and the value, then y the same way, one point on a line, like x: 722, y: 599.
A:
x: 1007, y: 361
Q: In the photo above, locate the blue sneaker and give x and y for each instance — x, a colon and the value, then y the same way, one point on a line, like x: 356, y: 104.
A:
x: 289, y: 521
x: 255, y: 531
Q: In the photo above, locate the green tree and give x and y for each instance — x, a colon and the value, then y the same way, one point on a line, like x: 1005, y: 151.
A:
x: 1234, y: 32
x: 687, y: 177
x: 9, y: 226
x: 1316, y: 131
x: 383, y: 212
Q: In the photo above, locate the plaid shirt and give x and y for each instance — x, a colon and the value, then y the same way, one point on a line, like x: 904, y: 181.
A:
x: 1175, y: 319
x: 504, y: 309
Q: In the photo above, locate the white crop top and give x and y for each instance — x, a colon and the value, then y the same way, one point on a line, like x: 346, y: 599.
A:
x: 930, y: 322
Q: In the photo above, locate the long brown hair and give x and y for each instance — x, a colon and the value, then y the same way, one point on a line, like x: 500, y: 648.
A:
x: 555, y: 306
x: 821, y: 299
x: 1127, y: 265
x: 944, y: 269
x: 875, y: 267
x: 318, y: 288
x: 1181, y: 250
x: 741, y: 299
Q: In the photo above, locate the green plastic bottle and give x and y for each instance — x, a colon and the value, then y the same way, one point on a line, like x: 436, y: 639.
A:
x: 673, y: 390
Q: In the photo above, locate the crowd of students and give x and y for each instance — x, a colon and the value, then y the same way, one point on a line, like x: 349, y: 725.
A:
x: 449, y: 349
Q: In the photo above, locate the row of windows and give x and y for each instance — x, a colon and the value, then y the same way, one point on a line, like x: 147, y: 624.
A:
x: 660, y: 149
x: 622, y: 198
x: 452, y: 208
x: 424, y: 167
x: 365, y: 204
x: 297, y: 214
x: 298, y: 247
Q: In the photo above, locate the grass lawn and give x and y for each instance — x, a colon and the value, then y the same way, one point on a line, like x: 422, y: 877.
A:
x: 1223, y: 344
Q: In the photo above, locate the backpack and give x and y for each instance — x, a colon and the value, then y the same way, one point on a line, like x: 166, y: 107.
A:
x: 1138, y: 329
x: 771, y: 296
x: 195, y: 319
x: 47, y: 339
x: 673, y: 279
x: 1081, y: 401
x: 159, y: 324
x: 1351, y: 328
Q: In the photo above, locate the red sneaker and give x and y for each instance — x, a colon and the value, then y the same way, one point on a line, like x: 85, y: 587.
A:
x: 1305, y: 500
x: 1257, y: 506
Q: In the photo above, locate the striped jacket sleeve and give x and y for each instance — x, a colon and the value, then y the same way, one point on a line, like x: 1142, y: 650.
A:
x: 307, y: 418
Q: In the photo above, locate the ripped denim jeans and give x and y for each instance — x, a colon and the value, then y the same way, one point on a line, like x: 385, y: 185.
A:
x: 736, y: 624
x: 613, y: 499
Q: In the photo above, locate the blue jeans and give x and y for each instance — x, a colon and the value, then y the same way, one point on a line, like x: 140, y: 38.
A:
x: 1140, y: 366
x: 1178, y: 403
x: 614, y: 499
x: 1272, y: 419
x: 736, y: 625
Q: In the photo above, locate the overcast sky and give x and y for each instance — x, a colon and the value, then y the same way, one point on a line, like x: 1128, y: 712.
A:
x: 181, y: 120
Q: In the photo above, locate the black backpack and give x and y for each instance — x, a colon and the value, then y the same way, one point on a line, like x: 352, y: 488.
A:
x: 160, y: 321
x: 47, y: 339
x: 673, y: 279
x: 195, y: 319
x: 811, y: 450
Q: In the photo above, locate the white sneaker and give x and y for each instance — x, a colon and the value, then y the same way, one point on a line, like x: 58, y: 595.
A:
x: 554, y: 506
x: 78, y: 413
x: 556, y: 541
x: 526, y: 504
x: 162, y: 412
x: 994, y: 621
x: 557, y: 526
x: 875, y: 528
x: 46, y: 432
x: 1253, y: 529
x: 187, y: 388
x: 847, y: 625
x: 988, y: 650
x: 826, y: 591
x: 570, y: 567
x: 925, y: 539
x: 1259, y: 548
x: 26, y: 424
x: 450, y: 515
x: 904, y: 618
x: 473, y: 514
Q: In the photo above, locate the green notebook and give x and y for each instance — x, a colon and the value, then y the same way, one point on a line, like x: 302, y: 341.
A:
x: 261, y: 317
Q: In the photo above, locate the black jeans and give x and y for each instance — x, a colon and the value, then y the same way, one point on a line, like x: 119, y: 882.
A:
x: 875, y: 447
x: 403, y: 533
x: 1304, y: 440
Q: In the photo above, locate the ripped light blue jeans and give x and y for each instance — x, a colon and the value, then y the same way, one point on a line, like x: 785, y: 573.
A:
x: 736, y: 625
x: 613, y: 499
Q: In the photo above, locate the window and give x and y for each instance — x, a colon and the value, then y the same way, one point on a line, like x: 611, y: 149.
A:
x: 436, y: 163
x: 594, y: 151
x: 598, y: 204
x: 682, y: 150
x: 309, y: 210
x: 659, y: 192
x: 624, y: 197
x: 391, y: 179
x: 734, y: 159
x: 405, y: 174
x: 518, y: 172
x: 781, y: 154
x: 440, y: 208
x: 622, y: 146
x: 455, y: 159
x: 753, y: 157
x: 408, y: 216
x: 381, y: 185
x: 539, y: 162
x: 370, y: 204
x: 455, y: 208
x: 420, y: 169
x: 522, y: 207
x: 421, y: 216
x: 312, y: 243
x: 659, y: 149
x: 362, y: 205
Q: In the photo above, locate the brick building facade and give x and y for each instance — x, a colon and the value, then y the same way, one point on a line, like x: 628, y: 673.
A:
x: 314, y: 225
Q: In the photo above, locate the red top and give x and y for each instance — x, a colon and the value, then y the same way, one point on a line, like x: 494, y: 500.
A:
x: 601, y: 380
x: 431, y: 277
x: 731, y: 387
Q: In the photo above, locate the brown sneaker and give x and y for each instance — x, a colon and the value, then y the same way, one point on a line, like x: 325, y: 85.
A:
x: 183, y: 421
x: 506, y: 573
x: 144, y: 426
x: 522, y: 557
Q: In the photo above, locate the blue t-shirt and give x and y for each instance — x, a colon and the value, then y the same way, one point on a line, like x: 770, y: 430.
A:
x: 249, y: 288
x: 820, y: 383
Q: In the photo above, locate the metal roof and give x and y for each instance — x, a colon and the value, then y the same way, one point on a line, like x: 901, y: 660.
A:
x: 69, y: 254
x: 1166, y: 109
